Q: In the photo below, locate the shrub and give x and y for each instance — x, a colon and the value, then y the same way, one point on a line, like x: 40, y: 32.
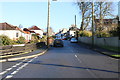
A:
x: 54, y: 36
x: 5, y: 40
x: 85, y: 33
x: 43, y: 39
x: 35, y: 38
x: 21, y: 40
x: 115, y: 32
x: 102, y: 34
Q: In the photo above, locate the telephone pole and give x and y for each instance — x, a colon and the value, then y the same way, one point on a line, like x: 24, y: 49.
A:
x: 48, y: 23
x: 75, y: 20
x: 92, y: 24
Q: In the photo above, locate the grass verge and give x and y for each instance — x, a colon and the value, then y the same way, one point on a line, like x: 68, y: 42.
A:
x: 116, y: 49
x: 116, y: 56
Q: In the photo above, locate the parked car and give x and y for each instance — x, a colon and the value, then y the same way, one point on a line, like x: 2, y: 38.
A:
x: 58, y: 43
x: 64, y: 38
x: 73, y: 40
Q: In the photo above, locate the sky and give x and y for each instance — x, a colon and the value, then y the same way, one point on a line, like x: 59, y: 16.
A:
x: 35, y: 13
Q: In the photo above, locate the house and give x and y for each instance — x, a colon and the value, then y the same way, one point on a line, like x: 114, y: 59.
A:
x: 61, y: 34
x: 64, y: 30
x: 72, y: 32
x: 38, y: 31
x: 107, y: 24
x: 13, y: 32
x: 27, y: 36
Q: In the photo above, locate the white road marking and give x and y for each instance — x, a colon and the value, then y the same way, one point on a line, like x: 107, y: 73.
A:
x: 9, y: 76
x: 8, y: 69
x: 18, y: 64
x: 14, y: 72
x: 12, y: 67
x: 3, y: 72
x: 86, y: 69
x: 19, y: 68
x: 75, y: 55
x: 78, y: 59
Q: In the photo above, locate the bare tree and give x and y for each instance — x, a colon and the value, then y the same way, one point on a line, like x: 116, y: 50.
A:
x: 103, y: 10
x: 20, y: 26
x: 85, y: 8
x: 51, y: 31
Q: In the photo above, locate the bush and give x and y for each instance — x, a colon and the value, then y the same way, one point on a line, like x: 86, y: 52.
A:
x: 85, y: 33
x: 115, y: 33
x: 5, y: 40
x: 102, y: 34
x: 54, y: 36
x: 43, y: 39
x: 35, y: 38
x: 21, y: 40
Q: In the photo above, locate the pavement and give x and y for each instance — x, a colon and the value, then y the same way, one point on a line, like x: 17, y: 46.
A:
x: 32, y: 54
x: 101, y: 50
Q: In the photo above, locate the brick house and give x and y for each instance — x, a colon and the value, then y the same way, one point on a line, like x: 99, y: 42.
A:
x: 107, y: 24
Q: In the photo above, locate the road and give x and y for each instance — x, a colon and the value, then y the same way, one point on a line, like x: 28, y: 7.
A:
x: 70, y: 61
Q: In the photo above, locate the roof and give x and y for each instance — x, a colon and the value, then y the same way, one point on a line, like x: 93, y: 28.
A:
x: 25, y: 29
x: 32, y: 31
x: 6, y: 26
x: 109, y: 20
x: 37, y: 33
x: 34, y: 28
x: 26, y: 32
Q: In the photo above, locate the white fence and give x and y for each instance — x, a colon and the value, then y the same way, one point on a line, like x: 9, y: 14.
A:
x: 110, y: 41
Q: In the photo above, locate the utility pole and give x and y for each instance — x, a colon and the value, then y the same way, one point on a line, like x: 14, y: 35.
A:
x: 75, y: 20
x: 48, y: 23
x: 76, y: 33
x: 92, y: 24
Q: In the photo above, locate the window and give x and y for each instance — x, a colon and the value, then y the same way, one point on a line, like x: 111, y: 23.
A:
x: 16, y: 34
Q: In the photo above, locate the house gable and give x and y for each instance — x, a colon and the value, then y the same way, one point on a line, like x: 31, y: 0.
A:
x: 6, y: 26
x: 34, y: 28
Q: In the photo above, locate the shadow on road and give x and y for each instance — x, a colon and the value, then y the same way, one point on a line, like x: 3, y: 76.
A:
x: 69, y: 66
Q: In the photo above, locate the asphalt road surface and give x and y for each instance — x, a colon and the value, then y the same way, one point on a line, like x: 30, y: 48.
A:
x: 70, y: 61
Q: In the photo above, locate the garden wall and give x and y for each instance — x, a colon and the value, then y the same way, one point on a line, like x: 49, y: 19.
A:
x: 107, y: 41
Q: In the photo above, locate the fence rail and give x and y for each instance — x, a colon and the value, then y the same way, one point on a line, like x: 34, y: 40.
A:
x: 16, y: 49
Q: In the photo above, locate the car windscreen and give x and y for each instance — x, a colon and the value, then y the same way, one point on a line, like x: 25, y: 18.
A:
x: 73, y: 39
x: 58, y: 40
